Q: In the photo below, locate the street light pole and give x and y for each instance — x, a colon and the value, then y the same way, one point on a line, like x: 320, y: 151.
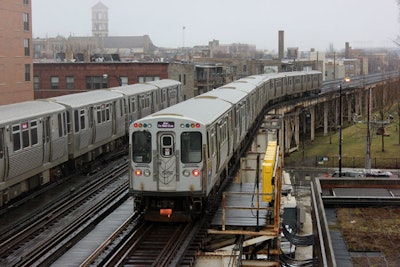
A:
x: 340, y: 130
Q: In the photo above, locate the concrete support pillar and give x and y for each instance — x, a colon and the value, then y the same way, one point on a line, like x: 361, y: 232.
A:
x: 357, y: 103
x: 297, y: 129
x: 288, y: 134
x: 326, y: 121
x: 349, y: 108
x: 312, y: 122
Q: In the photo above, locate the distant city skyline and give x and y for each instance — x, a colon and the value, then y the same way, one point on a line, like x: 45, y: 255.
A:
x: 307, y: 24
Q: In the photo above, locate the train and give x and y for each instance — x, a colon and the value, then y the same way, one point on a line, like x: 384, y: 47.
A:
x: 179, y: 156
x: 43, y: 140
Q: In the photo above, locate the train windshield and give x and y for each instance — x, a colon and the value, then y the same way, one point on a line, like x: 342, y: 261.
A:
x: 191, y: 147
x: 141, y: 147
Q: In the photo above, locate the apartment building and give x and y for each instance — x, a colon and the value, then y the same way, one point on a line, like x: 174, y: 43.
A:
x: 16, y: 63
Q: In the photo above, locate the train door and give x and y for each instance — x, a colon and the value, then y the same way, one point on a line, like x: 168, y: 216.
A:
x: 114, y: 116
x: 167, y: 167
x: 2, y: 156
x: 93, y: 121
x: 164, y: 98
x: 46, y: 140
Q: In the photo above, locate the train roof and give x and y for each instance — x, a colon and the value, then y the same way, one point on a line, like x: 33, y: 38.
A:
x: 86, y: 98
x: 164, y: 83
x: 242, y: 85
x: 134, y: 89
x: 228, y: 94
x: 205, y: 110
x: 293, y: 73
x: 254, y: 79
x: 28, y: 109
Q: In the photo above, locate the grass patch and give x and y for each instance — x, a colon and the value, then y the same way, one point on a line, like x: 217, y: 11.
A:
x: 353, y: 146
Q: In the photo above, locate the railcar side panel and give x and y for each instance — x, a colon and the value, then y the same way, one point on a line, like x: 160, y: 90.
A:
x: 3, y: 157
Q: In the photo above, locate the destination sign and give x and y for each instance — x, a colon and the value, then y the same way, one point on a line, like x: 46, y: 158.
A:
x: 165, y: 124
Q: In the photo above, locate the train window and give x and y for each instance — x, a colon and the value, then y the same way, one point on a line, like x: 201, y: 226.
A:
x: 133, y: 105
x: 1, y: 144
x: 76, y: 116
x: 163, y: 95
x: 103, y: 115
x: 167, y: 145
x: 25, y: 135
x: 121, y: 107
x: 60, y: 133
x: 65, y: 117
x: 108, y: 111
x: 16, y: 137
x: 69, y: 122
x: 141, y: 147
x: 34, y: 133
x: 212, y: 142
x: 191, y: 147
x: 82, y: 118
x: 141, y: 102
x: 223, y: 131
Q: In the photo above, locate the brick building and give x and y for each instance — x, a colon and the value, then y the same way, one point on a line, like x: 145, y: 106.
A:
x: 55, y: 79
x: 15, y: 51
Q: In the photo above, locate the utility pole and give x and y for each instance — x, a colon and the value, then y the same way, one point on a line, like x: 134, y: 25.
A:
x: 368, y: 142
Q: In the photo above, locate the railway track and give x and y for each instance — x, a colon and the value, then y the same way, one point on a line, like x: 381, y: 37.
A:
x: 40, y: 240
x: 144, y: 244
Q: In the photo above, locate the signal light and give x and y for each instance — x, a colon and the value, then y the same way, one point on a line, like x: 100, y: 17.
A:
x: 196, y: 173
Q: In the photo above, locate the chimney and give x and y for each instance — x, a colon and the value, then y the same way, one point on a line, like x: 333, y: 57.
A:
x: 281, y: 44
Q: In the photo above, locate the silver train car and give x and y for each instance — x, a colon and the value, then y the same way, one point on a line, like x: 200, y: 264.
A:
x: 42, y: 140
x: 180, y: 155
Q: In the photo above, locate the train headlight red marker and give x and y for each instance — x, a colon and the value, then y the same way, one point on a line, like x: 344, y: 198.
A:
x: 196, y: 172
x: 139, y: 172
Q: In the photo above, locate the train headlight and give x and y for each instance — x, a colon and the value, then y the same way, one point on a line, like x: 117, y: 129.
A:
x: 138, y: 172
x: 147, y: 172
x: 186, y: 173
x: 195, y: 173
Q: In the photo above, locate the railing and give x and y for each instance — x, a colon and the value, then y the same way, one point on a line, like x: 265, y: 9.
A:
x: 347, y: 162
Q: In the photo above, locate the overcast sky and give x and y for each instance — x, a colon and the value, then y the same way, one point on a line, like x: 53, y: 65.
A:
x: 174, y: 23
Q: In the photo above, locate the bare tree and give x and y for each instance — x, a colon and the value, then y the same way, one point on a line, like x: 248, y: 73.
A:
x: 385, y: 97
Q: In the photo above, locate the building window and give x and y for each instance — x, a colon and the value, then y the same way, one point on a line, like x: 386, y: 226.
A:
x: 54, y: 82
x: 70, y: 82
x: 143, y: 79
x: 26, y: 21
x: 36, y: 82
x: 26, y: 47
x: 96, y: 82
x: 26, y: 2
x: 123, y: 80
x: 27, y: 72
